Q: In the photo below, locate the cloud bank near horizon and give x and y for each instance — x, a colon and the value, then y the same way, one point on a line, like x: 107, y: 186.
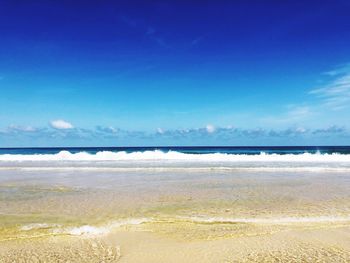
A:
x: 64, y: 132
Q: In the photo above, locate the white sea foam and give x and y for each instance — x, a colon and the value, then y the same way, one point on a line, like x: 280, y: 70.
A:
x: 278, y: 220
x: 98, y: 230
x: 35, y: 226
x: 83, y: 230
x: 88, y: 230
x: 178, y: 156
x: 172, y: 160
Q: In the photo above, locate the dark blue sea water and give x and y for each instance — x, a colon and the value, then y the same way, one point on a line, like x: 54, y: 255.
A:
x: 192, y: 150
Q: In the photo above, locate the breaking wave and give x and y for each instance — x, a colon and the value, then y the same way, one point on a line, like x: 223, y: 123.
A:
x: 178, y: 156
x: 177, y: 161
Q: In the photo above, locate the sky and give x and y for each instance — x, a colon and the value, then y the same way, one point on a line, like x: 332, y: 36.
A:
x: 151, y: 73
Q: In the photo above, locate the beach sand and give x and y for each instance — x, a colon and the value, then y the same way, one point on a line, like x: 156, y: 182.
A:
x: 77, y: 215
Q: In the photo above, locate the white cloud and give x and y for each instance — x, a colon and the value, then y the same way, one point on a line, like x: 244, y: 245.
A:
x: 333, y: 95
x: 300, y: 130
x: 111, y: 129
x: 336, y: 94
x: 160, y: 131
x: 330, y: 130
x: 222, y: 134
x: 210, y: 128
x: 108, y: 130
x: 21, y: 128
x: 61, y: 125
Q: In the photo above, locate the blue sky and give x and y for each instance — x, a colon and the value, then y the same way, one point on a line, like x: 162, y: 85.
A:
x: 112, y: 73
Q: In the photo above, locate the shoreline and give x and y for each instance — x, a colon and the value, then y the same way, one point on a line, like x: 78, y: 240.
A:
x: 328, y: 244
x: 172, y: 215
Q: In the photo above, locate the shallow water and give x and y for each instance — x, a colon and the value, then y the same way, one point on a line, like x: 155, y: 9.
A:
x: 101, y: 196
x: 77, y: 209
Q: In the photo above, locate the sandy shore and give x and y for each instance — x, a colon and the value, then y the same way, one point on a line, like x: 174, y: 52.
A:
x: 167, y: 216
x: 299, y: 245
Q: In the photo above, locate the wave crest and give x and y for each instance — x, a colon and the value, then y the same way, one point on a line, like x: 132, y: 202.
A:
x: 177, y: 156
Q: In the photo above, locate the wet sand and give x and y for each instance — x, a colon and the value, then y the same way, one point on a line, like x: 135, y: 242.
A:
x: 130, y: 245
x: 165, y: 215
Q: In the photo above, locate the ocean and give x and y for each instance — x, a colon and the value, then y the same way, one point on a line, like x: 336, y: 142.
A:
x: 249, y: 150
x: 291, y: 157
x: 84, y: 204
